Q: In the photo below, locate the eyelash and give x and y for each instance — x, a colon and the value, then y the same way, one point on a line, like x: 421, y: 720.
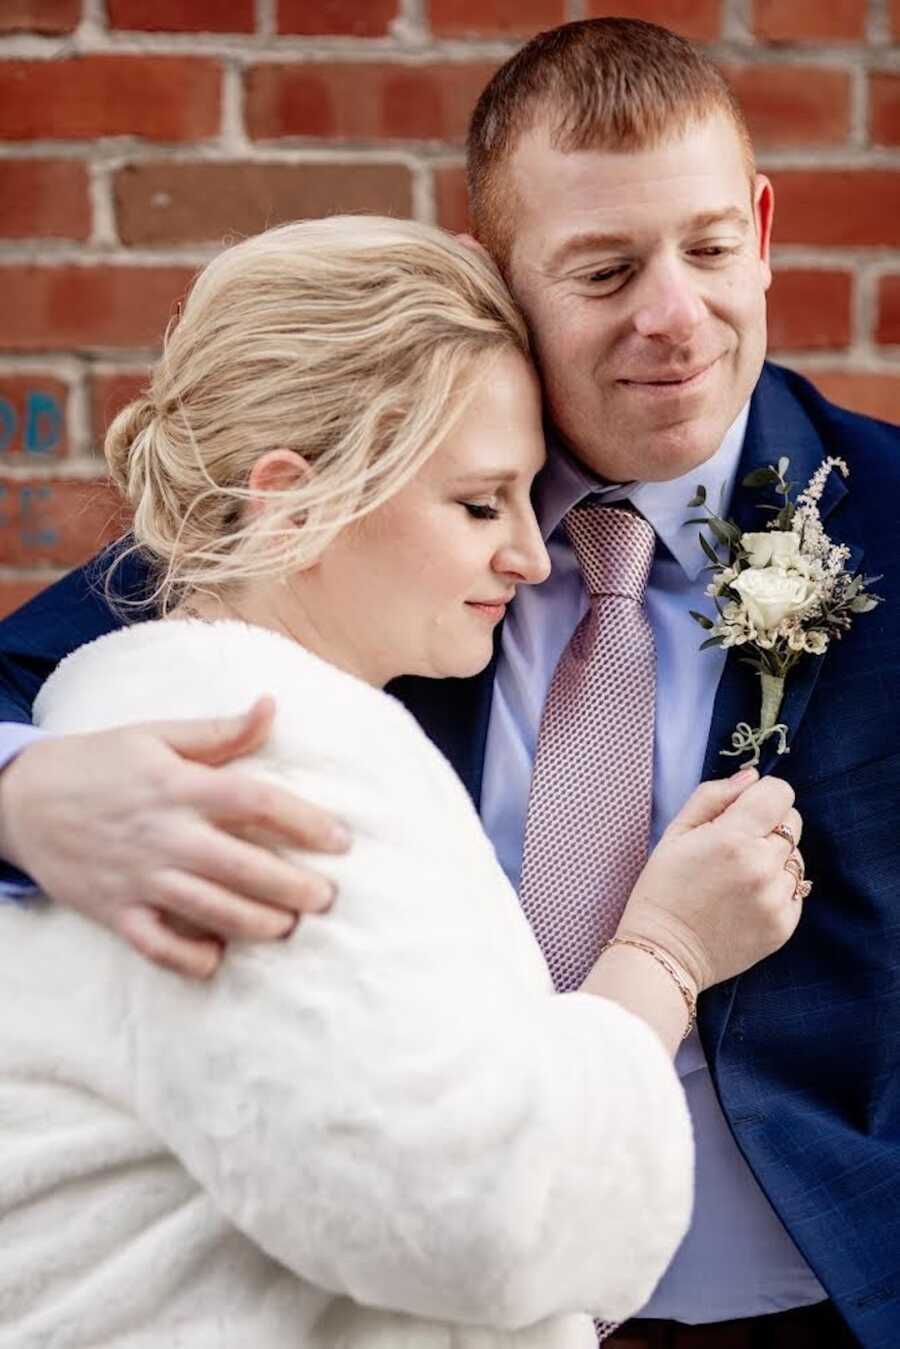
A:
x: 479, y: 511
x: 620, y: 274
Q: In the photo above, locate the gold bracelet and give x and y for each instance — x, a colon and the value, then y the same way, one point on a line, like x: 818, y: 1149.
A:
x: 689, y: 998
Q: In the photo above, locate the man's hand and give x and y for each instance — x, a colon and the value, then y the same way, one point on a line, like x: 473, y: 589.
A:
x: 144, y: 831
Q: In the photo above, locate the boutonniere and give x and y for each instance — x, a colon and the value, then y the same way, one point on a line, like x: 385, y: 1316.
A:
x: 783, y: 595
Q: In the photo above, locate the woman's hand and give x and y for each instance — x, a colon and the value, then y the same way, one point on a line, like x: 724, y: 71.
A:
x: 715, y: 896
x: 145, y: 831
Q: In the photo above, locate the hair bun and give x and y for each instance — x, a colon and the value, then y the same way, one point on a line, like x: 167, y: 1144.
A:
x: 127, y: 443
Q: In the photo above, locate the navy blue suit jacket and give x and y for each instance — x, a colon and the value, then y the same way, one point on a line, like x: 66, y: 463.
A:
x: 804, y: 1049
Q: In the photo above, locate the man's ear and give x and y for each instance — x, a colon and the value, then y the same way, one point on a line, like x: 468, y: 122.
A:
x: 764, y: 211
x: 276, y: 471
x: 469, y: 241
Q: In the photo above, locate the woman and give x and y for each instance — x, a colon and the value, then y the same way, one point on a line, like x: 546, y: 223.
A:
x: 386, y: 1131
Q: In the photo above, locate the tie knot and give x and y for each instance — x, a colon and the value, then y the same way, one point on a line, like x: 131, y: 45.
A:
x: 614, y: 548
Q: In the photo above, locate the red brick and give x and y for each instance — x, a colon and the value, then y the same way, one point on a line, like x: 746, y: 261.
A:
x: 793, y: 105
x: 15, y: 593
x: 56, y: 522
x: 877, y: 395
x: 353, y: 18
x: 837, y: 207
x: 884, y: 103
x: 451, y: 199
x: 39, y: 16
x: 33, y: 418
x: 810, y: 20
x: 364, y: 100
x: 57, y: 308
x: 809, y: 310
x: 174, y: 203
x: 44, y: 199
x: 109, y: 394
x: 699, y: 19
x: 162, y: 98
x: 459, y: 18
x: 174, y: 16
x: 888, y: 327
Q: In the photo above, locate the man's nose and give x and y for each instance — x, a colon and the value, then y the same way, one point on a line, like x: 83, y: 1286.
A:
x: 668, y: 303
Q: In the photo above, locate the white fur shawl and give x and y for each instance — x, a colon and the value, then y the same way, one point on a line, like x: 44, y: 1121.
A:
x: 384, y: 1133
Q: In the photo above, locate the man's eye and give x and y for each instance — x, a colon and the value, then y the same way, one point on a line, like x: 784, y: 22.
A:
x: 480, y: 511
x: 712, y: 251
x: 606, y: 275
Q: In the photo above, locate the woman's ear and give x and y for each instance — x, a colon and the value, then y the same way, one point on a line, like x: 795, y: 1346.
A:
x: 276, y: 471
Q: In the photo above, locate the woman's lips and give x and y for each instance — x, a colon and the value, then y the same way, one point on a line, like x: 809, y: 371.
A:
x: 491, y: 610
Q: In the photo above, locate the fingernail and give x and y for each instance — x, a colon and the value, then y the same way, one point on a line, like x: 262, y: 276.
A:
x: 339, y: 837
x: 744, y: 775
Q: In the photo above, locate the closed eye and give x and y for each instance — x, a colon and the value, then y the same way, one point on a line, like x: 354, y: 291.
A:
x: 480, y: 511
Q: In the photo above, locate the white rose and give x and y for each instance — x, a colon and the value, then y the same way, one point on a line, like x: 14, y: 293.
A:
x: 771, y: 595
x: 776, y: 546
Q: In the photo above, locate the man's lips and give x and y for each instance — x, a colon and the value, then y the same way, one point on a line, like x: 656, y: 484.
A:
x: 670, y: 379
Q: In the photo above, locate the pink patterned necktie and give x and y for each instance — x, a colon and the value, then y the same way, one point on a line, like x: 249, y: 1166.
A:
x: 588, y: 822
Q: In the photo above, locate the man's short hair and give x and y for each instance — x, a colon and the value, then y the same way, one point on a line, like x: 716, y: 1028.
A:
x: 608, y: 84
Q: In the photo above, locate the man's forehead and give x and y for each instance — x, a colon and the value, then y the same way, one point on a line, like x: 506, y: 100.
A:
x: 615, y: 191
x: 541, y: 146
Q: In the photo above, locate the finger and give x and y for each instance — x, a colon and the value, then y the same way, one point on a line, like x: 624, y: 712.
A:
x: 708, y: 800
x: 793, y: 822
x: 793, y: 877
x: 763, y: 805
x: 253, y: 873
x: 218, y: 740
x: 193, y: 905
x: 147, y: 932
x: 254, y: 806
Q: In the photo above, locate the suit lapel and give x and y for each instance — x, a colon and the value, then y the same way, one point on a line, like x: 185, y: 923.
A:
x: 777, y: 426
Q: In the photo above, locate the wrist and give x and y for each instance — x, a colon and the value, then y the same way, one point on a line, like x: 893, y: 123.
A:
x: 673, y: 938
x: 679, y: 975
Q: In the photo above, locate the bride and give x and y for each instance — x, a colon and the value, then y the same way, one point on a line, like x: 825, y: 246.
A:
x: 386, y: 1130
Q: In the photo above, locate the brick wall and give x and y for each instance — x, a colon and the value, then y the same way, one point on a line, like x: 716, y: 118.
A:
x: 137, y: 135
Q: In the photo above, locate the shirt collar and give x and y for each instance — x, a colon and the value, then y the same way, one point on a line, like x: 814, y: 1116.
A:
x: 564, y: 482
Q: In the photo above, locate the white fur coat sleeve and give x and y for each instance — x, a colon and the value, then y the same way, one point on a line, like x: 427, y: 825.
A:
x: 392, y: 1103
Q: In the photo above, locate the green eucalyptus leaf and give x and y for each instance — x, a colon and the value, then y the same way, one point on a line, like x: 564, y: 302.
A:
x: 709, y: 550
x: 723, y: 531
x: 699, y: 497
x: 863, y: 604
x: 701, y: 619
x: 760, y: 477
x: 712, y: 641
x: 783, y: 465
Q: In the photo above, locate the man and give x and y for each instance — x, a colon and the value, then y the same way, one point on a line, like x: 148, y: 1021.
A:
x: 612, y: 179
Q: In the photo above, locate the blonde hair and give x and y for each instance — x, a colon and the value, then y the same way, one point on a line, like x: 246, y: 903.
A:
x: 348, y: 340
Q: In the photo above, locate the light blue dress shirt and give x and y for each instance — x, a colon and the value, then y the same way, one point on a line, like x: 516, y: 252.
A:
x: 737, y: 1259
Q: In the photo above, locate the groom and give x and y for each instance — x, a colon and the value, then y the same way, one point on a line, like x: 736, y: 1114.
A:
x: 612, y: 178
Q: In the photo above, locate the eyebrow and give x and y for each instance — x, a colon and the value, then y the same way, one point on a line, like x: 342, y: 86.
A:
x: 486, y: 476
x: 592, y: 239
